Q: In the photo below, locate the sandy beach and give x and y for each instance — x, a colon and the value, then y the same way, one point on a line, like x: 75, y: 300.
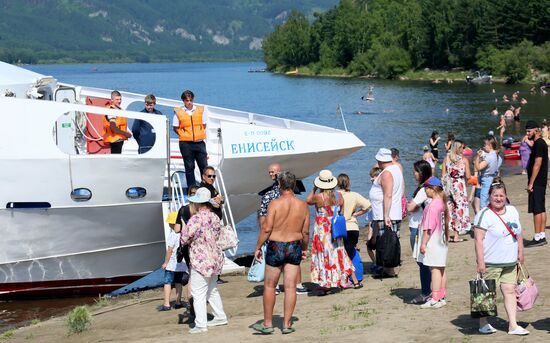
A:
x: 379, y: 312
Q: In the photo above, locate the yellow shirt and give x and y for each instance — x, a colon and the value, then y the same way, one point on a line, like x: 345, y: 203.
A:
x: 353, y: 201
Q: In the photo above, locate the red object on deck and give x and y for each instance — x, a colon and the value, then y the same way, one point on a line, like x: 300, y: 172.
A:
x: 96, y: 120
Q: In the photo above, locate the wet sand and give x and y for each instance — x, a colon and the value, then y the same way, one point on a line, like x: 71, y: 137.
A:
x: 379, y: 312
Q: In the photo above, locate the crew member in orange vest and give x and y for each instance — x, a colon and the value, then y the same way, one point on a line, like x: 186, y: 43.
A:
x: 190, y: 124
x: 115, y: 128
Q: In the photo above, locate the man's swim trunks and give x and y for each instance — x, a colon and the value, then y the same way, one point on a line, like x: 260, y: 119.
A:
x: 279, y: 253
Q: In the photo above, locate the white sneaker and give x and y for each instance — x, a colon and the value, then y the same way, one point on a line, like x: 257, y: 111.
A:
x: 443, y: 301
x: 216, y: 322
x: 431, y: 304
x: 487, y: 329
x: 518, y: 331
x: 197, y: 330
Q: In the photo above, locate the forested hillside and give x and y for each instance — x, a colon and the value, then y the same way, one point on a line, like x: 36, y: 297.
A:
x: 34, y: 31
x: 385, y: 38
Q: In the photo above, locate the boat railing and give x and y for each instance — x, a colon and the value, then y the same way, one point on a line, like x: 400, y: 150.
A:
x: 226, y: 210
x: 178, y: 195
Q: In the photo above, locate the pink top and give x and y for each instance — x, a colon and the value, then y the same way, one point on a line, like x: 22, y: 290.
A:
x: 203, y: 230
x: 432, y: 217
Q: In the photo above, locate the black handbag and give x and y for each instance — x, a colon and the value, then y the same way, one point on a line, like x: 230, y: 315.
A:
x: 179, y: 253
x: 388, y: 249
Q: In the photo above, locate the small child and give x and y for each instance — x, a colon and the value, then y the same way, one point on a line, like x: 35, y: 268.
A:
x: 371, y: 235
x: 434, y: 238
x: 173, y: 271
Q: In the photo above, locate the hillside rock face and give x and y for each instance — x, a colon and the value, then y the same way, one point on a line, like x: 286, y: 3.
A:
x: 141, y: 30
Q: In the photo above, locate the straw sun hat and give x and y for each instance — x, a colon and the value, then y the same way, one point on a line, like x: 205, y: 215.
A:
x: 325, y: 180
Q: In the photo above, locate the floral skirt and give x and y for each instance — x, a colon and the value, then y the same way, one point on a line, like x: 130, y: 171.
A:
x: 330, y: 264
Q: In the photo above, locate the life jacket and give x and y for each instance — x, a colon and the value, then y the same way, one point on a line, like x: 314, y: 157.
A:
x: 121, y: 123
x: 191, y: 128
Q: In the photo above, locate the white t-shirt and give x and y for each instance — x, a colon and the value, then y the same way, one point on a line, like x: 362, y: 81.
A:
x: 415, y: 218
x: 499, y: 247
x: 173, y: 241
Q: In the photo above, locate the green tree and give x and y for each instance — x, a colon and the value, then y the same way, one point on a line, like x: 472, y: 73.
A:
x: 290, y: 44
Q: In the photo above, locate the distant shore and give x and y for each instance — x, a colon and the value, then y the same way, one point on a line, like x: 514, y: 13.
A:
x: 440, y: 76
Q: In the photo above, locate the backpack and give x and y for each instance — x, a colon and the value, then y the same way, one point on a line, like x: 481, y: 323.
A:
x: 388, y: 249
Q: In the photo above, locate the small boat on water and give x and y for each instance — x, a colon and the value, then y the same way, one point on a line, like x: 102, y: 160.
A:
x: 479, y: 78
x: 259, y: 70
x: 77, y: 220
x: 511, y: 151
x: 511, y: 154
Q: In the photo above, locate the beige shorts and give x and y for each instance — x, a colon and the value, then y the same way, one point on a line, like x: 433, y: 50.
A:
x: 501, y: 274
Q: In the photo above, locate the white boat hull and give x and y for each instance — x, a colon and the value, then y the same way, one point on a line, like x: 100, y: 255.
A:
x: 110, y: 239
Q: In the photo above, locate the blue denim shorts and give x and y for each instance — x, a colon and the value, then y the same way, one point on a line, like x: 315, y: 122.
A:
x: 171, y: 277
x: 477, y: 193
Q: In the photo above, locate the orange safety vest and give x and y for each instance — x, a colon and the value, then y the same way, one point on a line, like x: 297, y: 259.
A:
x: 121, y: 123
x: 191, y: 128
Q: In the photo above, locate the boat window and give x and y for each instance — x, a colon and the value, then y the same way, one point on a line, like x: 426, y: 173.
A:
x: 28, y: 204
x: 136, y: 192
x: 81, y: 194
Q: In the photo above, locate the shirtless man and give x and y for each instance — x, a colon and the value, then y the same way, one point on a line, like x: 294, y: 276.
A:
x: 286, y: 231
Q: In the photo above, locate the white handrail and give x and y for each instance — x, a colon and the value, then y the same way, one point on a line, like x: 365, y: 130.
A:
x: 178, y: 196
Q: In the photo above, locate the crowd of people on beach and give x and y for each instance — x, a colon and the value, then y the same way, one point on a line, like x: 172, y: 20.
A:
x: 438, y: 213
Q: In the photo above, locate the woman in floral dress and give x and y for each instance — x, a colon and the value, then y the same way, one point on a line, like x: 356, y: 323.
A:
x: 330, y: 264
x: 456, y: 170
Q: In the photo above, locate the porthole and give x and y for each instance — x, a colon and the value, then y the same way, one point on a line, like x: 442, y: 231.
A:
x: 81, y: 194
x: 136, y: 192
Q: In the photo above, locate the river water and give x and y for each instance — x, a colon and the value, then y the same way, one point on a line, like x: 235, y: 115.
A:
x: 403, y: 115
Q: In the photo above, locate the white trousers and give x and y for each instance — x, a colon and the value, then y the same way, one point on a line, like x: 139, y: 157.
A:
x: 203, y: 289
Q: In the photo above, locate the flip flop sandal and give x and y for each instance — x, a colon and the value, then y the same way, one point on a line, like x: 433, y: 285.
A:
x: 357, y: 285
x: 263, y: 329
x: 288, y: 330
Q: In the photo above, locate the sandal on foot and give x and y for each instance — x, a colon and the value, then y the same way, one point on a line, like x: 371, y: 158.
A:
x: 357, y: 285
x: 262, y: 329
x: 518, y: 331
x: 288, y: 330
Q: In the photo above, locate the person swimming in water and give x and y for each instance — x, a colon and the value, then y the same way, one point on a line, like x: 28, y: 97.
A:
x: 370, y: 94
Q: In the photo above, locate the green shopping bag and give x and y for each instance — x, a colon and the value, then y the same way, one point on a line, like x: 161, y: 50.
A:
x: 483, y: 297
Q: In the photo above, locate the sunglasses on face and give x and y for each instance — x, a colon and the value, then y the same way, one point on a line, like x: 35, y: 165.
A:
x: 211, y: 176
